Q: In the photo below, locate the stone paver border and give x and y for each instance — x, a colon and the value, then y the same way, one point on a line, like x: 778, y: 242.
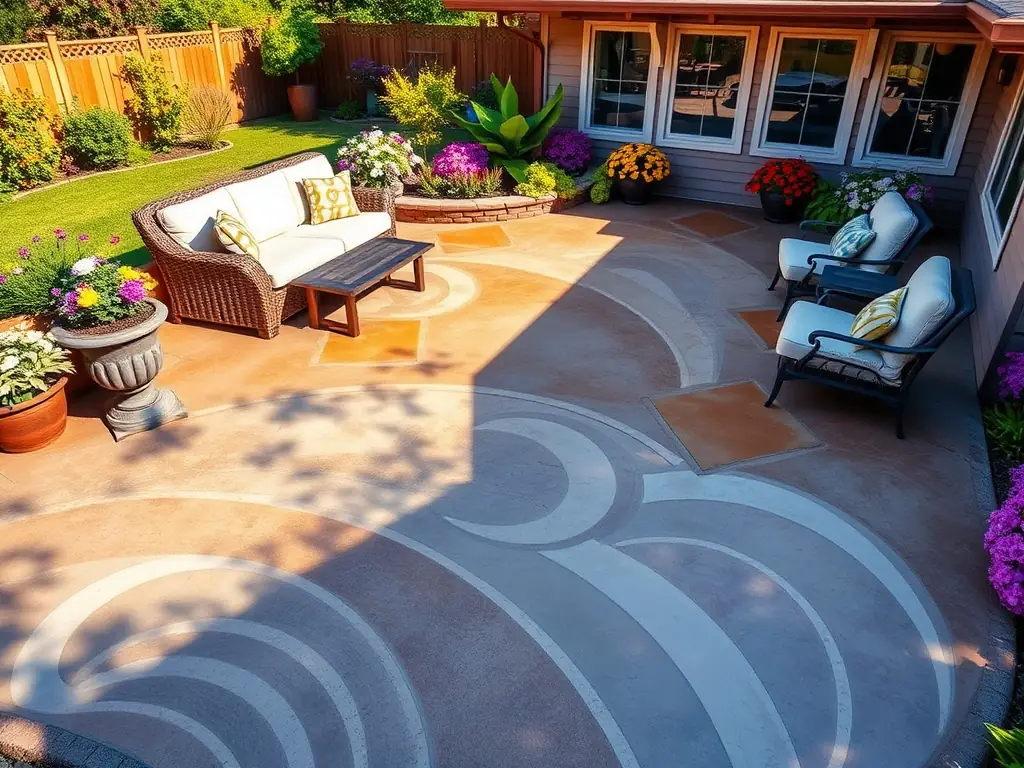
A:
x: 54, y: 747
x: 479, y: 210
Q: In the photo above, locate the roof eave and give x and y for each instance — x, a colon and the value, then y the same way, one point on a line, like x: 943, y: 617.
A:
x: 926, y: 9
x: 1006, y: 34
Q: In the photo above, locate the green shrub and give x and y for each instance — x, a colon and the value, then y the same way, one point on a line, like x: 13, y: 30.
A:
x: 155, y: 104
x: 30, y: 274
x: 461, y: 186
x: 186, y: 15
x: 349, y: 110
x: 290, y: 42
x: 206, y: 113
x: 29, y: 154
x: 1004, y: 425
x: 1007, y: 746
x: 98, y: 138
x: 423, y: 104
x: 601, y: 192
x: 539, y: 181
x: 565, y: 185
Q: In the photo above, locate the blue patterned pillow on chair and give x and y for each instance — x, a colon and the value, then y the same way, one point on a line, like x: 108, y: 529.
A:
x: 852, y: 238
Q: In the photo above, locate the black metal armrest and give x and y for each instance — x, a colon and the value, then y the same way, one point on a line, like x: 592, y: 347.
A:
x: 815, y: 335
x: 809, y: 225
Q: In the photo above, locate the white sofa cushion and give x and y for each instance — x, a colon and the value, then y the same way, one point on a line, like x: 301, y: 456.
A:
x: 352, y: 231
x: 804, y: 318
x: 893, y: 223
x: 793, y: 255
x: 926, y: 305
x: 318, y: 167
x: 286, y: 257
x: 265, y: 205
x: 192, y: 222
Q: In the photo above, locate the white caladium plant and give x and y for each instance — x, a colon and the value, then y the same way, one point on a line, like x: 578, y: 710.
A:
x: 30, y: 363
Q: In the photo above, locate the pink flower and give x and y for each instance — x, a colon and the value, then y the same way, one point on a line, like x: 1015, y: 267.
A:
x: 36, y: 239
x: 23, y: 252
x: 114, y: 239
x: 3, y: 279
x: 60, y: 234
x: 132, y: 291
x: 82, y: 238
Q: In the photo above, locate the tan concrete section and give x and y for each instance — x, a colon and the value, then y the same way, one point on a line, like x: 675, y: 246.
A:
x: 727, y: 424
x: 712, y: 224
x: 380, y: 341
x: 763, y: 322
x: 473, y: 238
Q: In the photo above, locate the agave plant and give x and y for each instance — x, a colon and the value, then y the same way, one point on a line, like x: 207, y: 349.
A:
x: 509, y: 136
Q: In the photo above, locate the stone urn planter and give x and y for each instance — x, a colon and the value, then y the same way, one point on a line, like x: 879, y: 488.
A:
x: 35, y: 423
x: 125, y: 357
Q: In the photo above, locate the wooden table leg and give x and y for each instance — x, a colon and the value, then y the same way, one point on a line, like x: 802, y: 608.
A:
x: 420, y: 279
x: 352, y: 315
x: 314, y: 310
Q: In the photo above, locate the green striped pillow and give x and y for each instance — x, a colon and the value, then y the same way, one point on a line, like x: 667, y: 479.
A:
x: 852, y: 238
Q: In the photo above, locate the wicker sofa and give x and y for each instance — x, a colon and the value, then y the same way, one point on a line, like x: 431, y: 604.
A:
x: 206, y: 283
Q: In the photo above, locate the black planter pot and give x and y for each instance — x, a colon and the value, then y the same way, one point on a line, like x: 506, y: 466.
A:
x: 633, y: 191
x: 776, y: 211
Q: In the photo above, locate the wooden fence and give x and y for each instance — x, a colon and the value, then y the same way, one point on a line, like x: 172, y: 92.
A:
x: 88, y: 72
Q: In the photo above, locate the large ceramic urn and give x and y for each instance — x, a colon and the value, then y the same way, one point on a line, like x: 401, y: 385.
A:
x: 125, y: 357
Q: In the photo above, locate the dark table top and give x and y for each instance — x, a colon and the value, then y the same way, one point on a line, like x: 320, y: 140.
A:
x: 363, y: 266
x: 856, y: 282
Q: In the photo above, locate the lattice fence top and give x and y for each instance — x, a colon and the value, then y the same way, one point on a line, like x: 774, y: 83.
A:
x: 232, y: 36
x: 83, y: 49
x: 181, y: 40
x: 442, y: 33
x: 372, y: 30
x: 16, y: 54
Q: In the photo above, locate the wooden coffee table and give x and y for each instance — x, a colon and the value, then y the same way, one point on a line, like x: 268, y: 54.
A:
x: 355, y: 273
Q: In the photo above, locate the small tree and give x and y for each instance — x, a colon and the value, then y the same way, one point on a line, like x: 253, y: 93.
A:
x: 155, y: 104
x: 423, y: 104
x: 290, y: 42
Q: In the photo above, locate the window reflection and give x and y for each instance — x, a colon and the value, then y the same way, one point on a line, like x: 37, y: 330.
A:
x: 621, y: 67
x: 708, y: 72
x: 1005, y: 184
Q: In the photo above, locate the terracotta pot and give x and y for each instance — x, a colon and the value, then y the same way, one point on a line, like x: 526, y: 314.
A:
x: 633, y: 191
x: 773, y: 204
x: 302, y: 99
x: 35, y: 423
x: 126, y: 360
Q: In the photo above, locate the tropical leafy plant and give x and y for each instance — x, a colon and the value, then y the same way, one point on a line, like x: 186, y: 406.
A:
x: 291, y: 42
x: 155, y: 104
x: 423, y: 102
x: 510, y: 137
x: 1004, y: 425
x: 1007, y: 746
x: 30, y: 363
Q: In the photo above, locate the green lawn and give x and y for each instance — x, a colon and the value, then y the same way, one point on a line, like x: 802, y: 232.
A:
x: 102, y: 206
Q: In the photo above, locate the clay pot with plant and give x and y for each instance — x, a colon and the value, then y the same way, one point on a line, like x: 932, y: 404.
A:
x: 785, y: 188
x: 33, y: 405
x: 286, y: 44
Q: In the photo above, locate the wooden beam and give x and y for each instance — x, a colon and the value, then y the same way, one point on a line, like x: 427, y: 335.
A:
x: 1005, y: 34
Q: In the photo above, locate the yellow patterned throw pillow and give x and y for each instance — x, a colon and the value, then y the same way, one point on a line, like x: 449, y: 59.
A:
x: 330, y: 199
x: 879, y: 317
x: 234, y: 236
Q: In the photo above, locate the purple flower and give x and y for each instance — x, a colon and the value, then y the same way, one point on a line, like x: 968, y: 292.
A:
x: 132, y: 291
x: 3, y: 279
x: 36, y: 239
x: 55, y: 292
x: 461, y: 157
x: 1004, y: 542
x: 915, y: 192
x: 82, y: 238
x: 343, y: 165
x: 60, y: 234
x: 568, y: 149
x: 70, y: 304
x: 114, y: 239
x: 1011, y: 376
x: 23, y: 252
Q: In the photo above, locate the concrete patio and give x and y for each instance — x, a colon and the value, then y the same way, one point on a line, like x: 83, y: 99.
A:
x: 534, y: 516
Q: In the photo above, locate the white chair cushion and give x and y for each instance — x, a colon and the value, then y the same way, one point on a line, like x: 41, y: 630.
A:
x: 265, y: 205
x: 192, y: 222
x: 287, y: 257
x: 352, y: 231
x: 893, y: 223
x: 318, y: 167
x: 793, y: 255
x: 804, y: 318
x: 926, y: 305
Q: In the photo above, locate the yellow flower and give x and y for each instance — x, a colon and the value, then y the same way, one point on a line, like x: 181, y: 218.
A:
x: 634, y: 175
x: 129, y: 273
x: 87, y: 297
x: 147, y: 280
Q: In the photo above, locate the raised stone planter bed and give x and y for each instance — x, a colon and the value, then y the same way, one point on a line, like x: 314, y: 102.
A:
x: 427, y: 210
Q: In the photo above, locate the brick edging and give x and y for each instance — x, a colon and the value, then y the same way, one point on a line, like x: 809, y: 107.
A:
x: 425, y: 210
x: 55, y: 747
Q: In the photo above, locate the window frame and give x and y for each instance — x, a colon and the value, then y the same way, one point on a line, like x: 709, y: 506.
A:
x: 996, y: 234
x: 865, y: 40
x: 947, y: 165
x: 733, y: 145
x: 590, y: 28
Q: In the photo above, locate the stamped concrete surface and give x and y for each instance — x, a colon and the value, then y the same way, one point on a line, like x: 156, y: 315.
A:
x: 477, y: 535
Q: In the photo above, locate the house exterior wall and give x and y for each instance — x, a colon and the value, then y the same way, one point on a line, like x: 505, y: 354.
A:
x: 997, y: 290
x: 719, y: 177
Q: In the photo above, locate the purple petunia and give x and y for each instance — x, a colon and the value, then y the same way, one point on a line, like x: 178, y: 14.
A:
x: 55, y: 292
x: 1004, y: 542
x: 343, y: 165
x: 461, y: 157
x: 132, y: 291
x: 568, y: 149
x: 1011, y: 376
x: 69, y: 306
x: 114, y: 239
x: 3, y: 279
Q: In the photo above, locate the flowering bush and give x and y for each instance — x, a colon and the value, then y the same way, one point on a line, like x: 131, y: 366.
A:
x: 423, y: 103
x: 539, y: 181
x: 636, y: 161
x: 1011, y: 376
x: 30, y: 363
x: 1004, y: 542
x: 369, y: 73
x: 565, y: 185
x: 569, y: 150
x: 29, y: 154
x: 858, y: 192
x: 601, y: 191
x: 461, y: 157
x: 377, y: 159
x: 95, y: 291
x: 794, y: 179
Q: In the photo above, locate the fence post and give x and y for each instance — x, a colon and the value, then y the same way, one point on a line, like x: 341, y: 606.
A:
x: 222, y: 79
x: 66, y: 99
x: 140, y: 33
x: 481, y: 43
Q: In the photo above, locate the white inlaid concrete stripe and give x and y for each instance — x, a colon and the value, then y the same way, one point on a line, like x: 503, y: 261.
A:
x: 737, y: 703
x: 302, y: 654
x: 589, y: 497
x: 743, y: 490
x: 844, y: 700
x: 36, y: 683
